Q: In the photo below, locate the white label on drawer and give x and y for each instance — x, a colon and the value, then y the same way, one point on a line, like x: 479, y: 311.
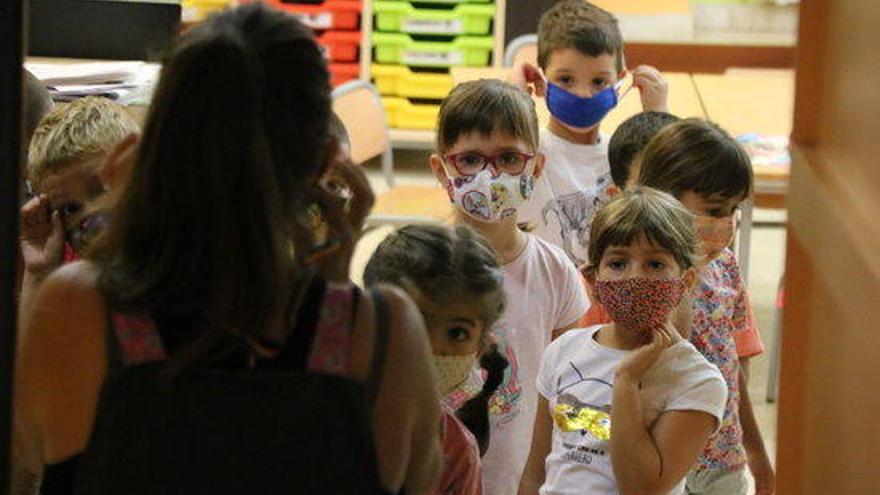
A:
x: 324, y: 20
x: 452, y: 26
x: 416, y: 57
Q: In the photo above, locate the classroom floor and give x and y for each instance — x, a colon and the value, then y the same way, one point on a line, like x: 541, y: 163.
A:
x: 766, y: 267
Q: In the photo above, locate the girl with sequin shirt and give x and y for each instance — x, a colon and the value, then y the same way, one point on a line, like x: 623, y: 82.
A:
x: 627, y: 407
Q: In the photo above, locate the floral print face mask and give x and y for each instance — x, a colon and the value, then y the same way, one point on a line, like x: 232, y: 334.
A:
x: 640, y: 304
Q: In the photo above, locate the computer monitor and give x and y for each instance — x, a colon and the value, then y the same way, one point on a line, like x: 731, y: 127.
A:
x: 102, y: 29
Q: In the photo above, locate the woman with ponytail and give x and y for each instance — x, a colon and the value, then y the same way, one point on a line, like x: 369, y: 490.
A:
x: 455, y: 279
x: 209, y: 346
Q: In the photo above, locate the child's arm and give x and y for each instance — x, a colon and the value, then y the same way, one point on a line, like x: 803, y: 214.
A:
x: 652, y: 461
x: 533, y: 475
x: 528, y: 78
x: 759, y: 461
x: 653, y: 88
x: 42, y: 248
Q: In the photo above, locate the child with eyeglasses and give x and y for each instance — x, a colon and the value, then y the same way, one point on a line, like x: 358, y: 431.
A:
x: 487, y: 158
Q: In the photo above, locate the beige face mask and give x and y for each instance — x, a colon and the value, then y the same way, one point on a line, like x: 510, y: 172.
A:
x: 452, y: 371
x: 716, y: 233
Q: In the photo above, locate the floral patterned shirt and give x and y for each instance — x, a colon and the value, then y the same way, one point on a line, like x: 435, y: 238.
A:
x: 722, y: 317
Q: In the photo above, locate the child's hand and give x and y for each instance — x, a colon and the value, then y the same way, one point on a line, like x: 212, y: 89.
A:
x: 42, y: 236
x: 528, y: 78
x: 653, y: 88
x: 639, y: 361
x: 765, y: 478
x: 344, y: 217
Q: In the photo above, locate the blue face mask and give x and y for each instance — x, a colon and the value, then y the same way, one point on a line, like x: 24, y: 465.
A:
x: 580, y: 112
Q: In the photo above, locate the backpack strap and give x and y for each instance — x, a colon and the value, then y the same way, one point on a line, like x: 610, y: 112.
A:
x: 380, y: 350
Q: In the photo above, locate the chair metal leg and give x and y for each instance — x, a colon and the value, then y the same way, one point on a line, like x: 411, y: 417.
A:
x: 775, y: 355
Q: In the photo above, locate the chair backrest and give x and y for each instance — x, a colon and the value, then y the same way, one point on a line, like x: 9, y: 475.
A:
x: 522, y: 49
x: 359, y: 106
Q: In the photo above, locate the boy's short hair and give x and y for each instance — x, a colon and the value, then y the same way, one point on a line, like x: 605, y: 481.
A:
x: 485, y: 106
x: 630, y: 138
x: 696, y: 155
x: 338, y: 131
x: 580, y: 25
x: 85, y: 128
x: 658, y: 216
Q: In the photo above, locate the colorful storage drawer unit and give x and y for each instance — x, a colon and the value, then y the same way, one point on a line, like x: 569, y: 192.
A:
x: 468, y: 51
x: 399, y: 80
x: 474, y: 19
x: 403, y: 114
x: 341, y: 46
x: 332, y: 14
x: 342, y: 73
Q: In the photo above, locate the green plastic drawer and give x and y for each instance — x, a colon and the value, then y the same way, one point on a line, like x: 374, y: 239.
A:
x: 463, y: 51
x: 403, y: 114
x: 398, y: 80
x: 474, y: 19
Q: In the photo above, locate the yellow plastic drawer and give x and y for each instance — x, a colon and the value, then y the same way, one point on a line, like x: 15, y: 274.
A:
x: 198, y: 10
x: 403, y: 114
x: 397, y: 80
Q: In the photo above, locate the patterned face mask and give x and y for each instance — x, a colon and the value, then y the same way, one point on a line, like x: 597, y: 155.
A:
x: 452, y: 371
x: 640, y: 304
x: 716, y: 233
x: 491, y: 199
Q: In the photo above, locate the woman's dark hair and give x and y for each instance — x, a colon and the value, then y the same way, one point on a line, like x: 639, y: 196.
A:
x: 449, y: 265
x: 236, y: 137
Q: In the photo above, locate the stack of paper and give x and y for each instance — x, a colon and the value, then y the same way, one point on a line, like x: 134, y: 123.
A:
x: 126, y: 82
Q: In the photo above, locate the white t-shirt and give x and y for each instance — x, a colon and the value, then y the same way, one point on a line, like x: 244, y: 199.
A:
x: 568, y: 194
x: 544, y: 292
x: 577, y: 379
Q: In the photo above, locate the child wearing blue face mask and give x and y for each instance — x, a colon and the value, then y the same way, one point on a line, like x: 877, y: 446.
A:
x: 487, y: 158
x: 580, y: 50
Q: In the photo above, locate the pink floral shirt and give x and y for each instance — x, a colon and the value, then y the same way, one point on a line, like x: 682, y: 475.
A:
x: 461, y: 458
x: 722, y: 318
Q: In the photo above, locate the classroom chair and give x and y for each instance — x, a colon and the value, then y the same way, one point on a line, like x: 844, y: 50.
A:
x: 521, y: 49
x: 359, y: 106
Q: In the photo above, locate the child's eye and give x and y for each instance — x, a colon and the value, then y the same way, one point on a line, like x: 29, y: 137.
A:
x: 617, y: 264
x: 566, y: 80
x: 600, y: 83
x: 70, y: 209
x: 657, y: 265
x: 458, y: 334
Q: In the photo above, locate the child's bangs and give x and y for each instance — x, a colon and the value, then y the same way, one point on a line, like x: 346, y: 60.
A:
x: 727, y: 180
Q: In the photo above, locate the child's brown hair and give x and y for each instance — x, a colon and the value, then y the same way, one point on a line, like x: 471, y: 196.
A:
x: 696, y: 155
x: 658, y: 216
x: 580, y: 25
x: 485, y: 106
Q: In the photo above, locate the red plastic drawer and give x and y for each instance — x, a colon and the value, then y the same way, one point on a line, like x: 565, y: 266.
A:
x: 341, y: 46
x: 342, y: 73
x: 332, y: 14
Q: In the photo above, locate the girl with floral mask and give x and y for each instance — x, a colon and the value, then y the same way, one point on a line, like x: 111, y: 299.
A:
x: 455, y: 280
x: 709, y: 172
x: 487, y: 159
x: 627, y: 407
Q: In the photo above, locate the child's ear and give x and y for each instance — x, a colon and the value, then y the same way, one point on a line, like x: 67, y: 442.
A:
x: 436, y: 164
x: 622, y: 75
x: 690, y: 278
x: 540, y: 160
x: 613, y: 190
x: 119, y: 163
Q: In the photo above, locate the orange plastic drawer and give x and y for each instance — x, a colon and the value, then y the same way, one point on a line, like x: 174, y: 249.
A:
x: 341, y: 46
x: 332, y: 14
x: 342, y: 73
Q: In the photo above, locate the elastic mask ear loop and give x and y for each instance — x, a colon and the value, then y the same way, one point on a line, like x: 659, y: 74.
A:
x: 625, y: 92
